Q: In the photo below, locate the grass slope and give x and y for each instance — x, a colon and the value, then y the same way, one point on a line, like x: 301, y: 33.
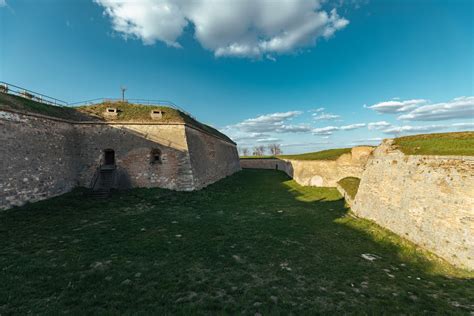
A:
x: 129, y: 112
x: 460, y: 143
x: 18, y: 103
x: 254, y: 242
x: 350, y: 185
x: 330, y: 154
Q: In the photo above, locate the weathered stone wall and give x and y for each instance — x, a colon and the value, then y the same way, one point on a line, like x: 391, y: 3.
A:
x: 321, y: 173
x: 256, y: 163
x: 43, y: 156
x: 426, y: 199
x: 37, y: 158
x: 133, y: 144
x: 211, y: 158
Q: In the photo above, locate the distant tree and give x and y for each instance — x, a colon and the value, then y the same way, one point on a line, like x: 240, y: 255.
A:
x: 259, y: 150
x: 245, y: 151
x: 274, y: 149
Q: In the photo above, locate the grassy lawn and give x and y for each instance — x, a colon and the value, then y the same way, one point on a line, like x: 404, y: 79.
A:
x: 128, y: 112
x: 350, y: 185
x: 330, y: 154
x: 254, y: 242
x: 461, y: 143
x: 258, y: 157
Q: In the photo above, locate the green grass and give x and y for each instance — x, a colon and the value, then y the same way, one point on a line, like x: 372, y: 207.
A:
x: 254, y: 242
x: 330, y: 154
x: 258, y: 157
x: 128, y: 112
x: 461, y: 143
x: 350, y: 185
x: 18, y: 103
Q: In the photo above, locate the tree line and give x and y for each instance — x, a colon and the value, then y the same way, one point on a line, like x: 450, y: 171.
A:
x: 271, y: 149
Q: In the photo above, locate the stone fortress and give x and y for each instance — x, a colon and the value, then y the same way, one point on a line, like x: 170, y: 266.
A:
x: 424, y: 198
x: 48, y: 150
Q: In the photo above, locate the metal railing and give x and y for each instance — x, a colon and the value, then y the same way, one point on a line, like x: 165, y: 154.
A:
x: 31, y: 95
x: 9, y: 88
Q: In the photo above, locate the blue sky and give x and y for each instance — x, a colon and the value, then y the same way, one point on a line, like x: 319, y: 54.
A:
x: 305, y: 74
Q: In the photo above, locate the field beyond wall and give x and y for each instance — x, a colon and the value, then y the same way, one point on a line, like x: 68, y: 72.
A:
x: 255, y: 242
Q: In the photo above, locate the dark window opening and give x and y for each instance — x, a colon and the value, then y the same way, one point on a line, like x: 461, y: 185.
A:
x: 109, y: 157
x: 155, y: 156
x: 276, y: 166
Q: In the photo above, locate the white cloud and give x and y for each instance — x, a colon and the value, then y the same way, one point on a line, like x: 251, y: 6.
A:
x: 395, y: 106
x: 268, y: 140
x: 243, y: 28
x: 3, y: 3
x: 325, y: 131
x: 352, y: 126
x: 274, y: 122
x: 369, y: 140
x: 378, y: 125
x: 458, y: 108
x: 328, y: 130
x: 413, y: 129
x: 464, y: 125
x: 321, y: 116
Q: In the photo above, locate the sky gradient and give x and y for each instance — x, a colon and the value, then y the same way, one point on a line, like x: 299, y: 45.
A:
x: 306, y: 75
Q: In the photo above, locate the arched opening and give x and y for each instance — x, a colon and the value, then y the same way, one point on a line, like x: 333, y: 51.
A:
x: 155, y: 156
x: 109, y: 157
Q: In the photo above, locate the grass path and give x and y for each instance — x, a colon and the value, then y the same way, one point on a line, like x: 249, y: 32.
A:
x: 254, y: 242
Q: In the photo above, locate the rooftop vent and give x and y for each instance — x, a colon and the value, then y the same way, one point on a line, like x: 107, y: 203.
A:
x: 156, y: 114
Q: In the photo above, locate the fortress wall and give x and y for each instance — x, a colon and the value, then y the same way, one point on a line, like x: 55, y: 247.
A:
x: 37, y: 158
x: 320, y: 173
x: 211, y: 158
x: 256, y: 163
x: 132, y: 144
x: 42, y: 157
x: 426, y: 199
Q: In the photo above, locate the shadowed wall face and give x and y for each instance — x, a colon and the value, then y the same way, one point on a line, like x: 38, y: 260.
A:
x: 211, y: 158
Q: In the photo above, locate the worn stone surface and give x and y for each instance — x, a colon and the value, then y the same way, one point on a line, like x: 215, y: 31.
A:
x: 211, y: 158
x: 426, y: 199
x: 43, y: 157
x: 133, y: 145
x: 321, y: 173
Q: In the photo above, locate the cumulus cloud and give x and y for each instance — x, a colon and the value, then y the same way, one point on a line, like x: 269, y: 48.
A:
x: 413, y: 129
x: 274, y: 122
x: 244, y: 28
x: 322, y: 116
x: 268, y: 140
x: 378, y: 125
x: 396, y: 106
x: 328, y: 130
x: 325, y: 131
x: 466, y: 126
x: 352, y: 126
x: 457, y: 108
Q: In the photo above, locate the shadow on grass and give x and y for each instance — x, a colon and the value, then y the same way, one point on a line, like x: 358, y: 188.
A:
x: 253, y: 242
